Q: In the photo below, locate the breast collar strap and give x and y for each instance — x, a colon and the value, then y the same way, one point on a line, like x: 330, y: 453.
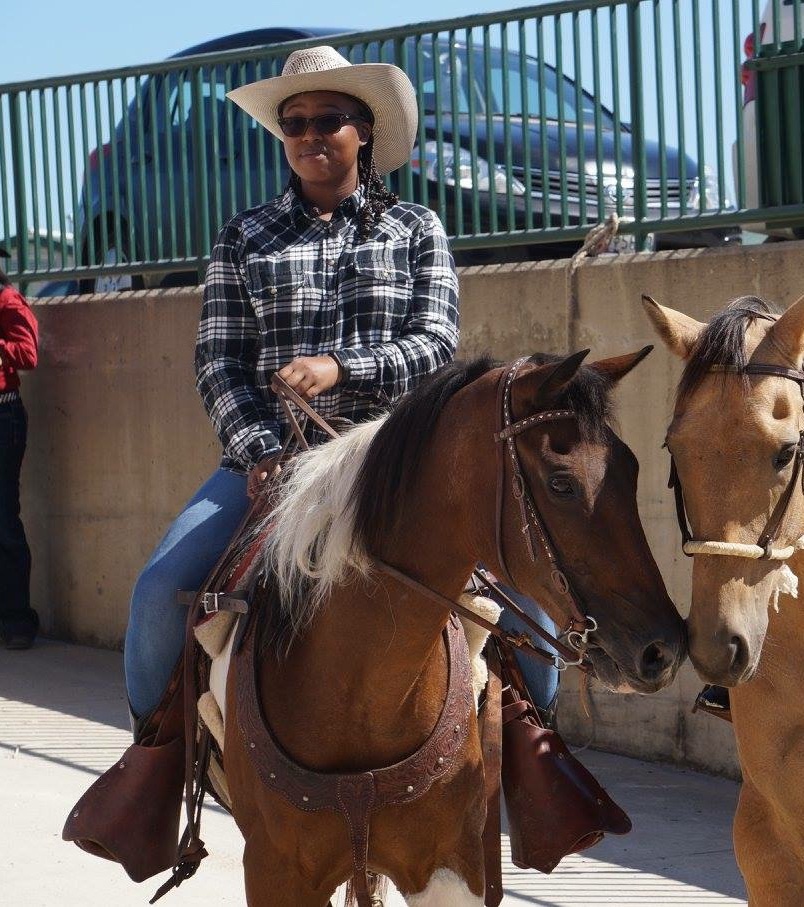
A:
x: 764, y: 548
x: 357, y: 796
x: 533, y: 528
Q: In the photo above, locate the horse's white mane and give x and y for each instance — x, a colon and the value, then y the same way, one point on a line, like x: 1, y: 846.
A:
x: 311, y: 545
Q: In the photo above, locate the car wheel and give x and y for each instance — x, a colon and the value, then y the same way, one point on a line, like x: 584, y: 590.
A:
x: 111, y: 283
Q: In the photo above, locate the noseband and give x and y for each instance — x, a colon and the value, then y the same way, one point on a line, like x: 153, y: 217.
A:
x: 764, y: 548
x: 533, y: 528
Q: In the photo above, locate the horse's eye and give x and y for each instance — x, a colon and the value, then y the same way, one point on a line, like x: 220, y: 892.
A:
x: 561, y: 486
x: 784, y: 456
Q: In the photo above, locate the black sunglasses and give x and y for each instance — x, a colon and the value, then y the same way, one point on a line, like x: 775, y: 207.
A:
x: 324, y: 124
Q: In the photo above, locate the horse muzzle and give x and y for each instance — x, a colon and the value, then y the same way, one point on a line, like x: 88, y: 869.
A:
x: 654, y: 667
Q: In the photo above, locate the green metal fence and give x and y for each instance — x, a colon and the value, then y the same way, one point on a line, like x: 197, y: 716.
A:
x: 534, y: 125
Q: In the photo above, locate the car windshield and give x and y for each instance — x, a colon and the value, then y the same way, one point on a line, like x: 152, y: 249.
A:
x: 557, y: 95
x: 439, y: 63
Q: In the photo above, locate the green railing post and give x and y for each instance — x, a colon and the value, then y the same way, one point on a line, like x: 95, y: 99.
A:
x: 637, y: 120
x: 20, y: 185
x: 199, y: 146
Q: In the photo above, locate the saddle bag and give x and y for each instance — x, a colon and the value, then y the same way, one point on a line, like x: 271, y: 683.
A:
x: 555, y: 806
x: 131, y: 813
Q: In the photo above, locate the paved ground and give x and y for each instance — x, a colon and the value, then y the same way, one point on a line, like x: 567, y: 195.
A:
x: 62, y: 721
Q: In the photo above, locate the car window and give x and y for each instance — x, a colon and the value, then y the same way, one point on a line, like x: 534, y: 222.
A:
x: 444, y: 63
x: 559, y: 94
x: 213, y: 93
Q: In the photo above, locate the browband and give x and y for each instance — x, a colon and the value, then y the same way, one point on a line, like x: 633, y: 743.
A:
x: 778, y: 371
x: 517, y: 428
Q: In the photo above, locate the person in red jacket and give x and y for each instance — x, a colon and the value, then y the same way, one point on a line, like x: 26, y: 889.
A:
x: 19, y: 341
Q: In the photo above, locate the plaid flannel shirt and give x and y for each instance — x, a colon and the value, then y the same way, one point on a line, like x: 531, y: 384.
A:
x: 282, y: 283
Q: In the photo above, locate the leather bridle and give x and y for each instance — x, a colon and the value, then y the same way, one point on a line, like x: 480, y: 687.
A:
x: 764, y: 548
x: 533, y: 528
x: 566, y: 654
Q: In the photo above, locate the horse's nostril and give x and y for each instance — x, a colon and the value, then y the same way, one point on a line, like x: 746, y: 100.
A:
x: 738, y: 655
x: 656, y: 658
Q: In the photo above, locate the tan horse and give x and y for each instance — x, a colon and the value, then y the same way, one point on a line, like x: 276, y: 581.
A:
x: 353, y: 670
x: 735, y: 438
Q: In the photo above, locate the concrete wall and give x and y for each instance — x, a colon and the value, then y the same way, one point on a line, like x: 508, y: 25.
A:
x: 119, y: 440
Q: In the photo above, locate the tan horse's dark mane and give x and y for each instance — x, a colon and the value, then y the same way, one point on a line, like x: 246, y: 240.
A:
x: 722, y: 342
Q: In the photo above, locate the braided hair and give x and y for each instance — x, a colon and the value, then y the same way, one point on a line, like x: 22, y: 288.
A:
x: 377, y: 197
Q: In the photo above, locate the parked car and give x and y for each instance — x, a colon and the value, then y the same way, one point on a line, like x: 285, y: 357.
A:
x: 753, y: 162
x: 157, y: 208
x: 55, y: 288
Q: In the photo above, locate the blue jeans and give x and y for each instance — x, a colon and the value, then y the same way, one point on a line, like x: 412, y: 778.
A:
x: 540, y: 677
x: 15, y: 556
x: 182, y: 560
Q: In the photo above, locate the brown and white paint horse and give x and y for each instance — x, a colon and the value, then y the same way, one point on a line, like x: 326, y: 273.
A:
x: 353, y: 671
x: 734, y: 438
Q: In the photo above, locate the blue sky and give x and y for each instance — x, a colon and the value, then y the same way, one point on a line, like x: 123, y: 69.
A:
x: 62, y: 38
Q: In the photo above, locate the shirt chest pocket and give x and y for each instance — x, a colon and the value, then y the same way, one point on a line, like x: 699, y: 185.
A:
x: 377, y: 291
x: 276, y: 286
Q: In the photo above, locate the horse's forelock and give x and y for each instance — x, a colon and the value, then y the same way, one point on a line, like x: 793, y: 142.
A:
x: 722, y: 342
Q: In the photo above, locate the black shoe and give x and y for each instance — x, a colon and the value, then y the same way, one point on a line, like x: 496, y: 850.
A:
x: 714, y: 700
x: 19, y: 633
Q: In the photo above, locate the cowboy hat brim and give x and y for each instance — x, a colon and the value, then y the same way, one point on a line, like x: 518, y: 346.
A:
x: 384, y: 88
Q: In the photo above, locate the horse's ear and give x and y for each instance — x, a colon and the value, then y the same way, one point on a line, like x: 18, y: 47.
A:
x: 785, y: 339
x: 619, y: 366
x: 539, y: 385
x: 679, y: 332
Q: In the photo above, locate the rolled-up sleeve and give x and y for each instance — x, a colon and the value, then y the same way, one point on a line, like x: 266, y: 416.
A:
x: 429, y: 335
x: 226, y: 353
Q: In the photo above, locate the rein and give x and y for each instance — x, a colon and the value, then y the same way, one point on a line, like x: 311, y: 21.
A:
x: 764, y: 548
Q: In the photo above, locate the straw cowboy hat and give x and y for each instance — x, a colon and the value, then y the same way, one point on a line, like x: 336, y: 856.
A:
x: 383, y: 88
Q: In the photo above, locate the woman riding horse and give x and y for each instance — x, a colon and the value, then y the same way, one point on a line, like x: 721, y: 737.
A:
x: 348, y: 294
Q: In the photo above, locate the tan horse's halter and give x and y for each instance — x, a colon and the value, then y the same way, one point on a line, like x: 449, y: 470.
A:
x: 764, y: 548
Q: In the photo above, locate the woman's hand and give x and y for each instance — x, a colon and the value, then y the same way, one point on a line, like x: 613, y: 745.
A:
x: 310, y: 376
x: 258, y: 475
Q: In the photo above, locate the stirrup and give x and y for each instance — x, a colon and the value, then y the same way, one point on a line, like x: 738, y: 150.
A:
x: 714, y: 700
x: 549, y: 715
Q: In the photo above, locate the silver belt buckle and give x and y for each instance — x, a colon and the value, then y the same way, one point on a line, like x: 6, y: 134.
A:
x: 210, y: 602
